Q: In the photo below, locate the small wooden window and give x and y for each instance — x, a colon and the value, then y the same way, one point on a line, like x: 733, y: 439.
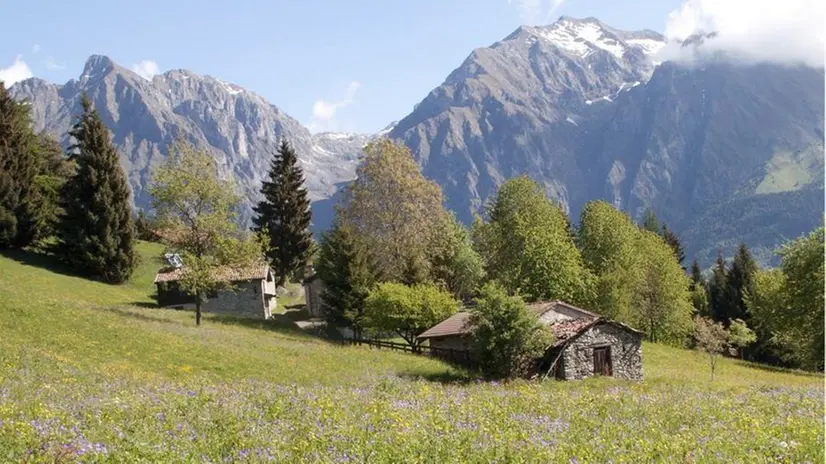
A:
x: 602, y: 360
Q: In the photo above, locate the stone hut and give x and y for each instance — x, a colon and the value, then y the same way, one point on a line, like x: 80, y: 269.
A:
x: 585, y: 343
x: 252, y: 293
x: 313, y: 289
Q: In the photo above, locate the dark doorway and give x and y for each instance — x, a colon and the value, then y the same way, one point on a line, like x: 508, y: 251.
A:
x: 602, y: 361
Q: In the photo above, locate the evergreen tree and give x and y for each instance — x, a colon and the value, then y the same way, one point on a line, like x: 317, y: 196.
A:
x: 718, y: 290
x: 20, y: 199
x: 284, y: 214
x: 697, y: 279
x: 97, y: 231
x: 674, y: 242
x: 650, y: 221
x: 739, y: 282
x: 348, y: 276
x: 55, y: 170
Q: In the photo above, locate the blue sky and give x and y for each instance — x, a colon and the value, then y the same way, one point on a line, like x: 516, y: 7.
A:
x: 359, y: 64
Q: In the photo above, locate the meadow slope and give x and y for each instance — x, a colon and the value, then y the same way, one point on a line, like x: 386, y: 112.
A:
x: 91, y: 372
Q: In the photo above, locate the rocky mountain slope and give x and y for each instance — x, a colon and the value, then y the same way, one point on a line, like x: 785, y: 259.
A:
x: 589, y: 112
x: 240, y: 128
x: 720, y: 150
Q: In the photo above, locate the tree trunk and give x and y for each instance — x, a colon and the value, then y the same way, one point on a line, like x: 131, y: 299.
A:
x: 197, y: 308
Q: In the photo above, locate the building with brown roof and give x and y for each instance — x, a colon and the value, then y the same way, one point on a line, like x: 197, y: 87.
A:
x: 251, y: 292
x: 585, y: 343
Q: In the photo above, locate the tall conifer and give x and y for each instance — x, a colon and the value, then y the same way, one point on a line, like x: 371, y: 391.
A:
x: 96, y: 230
x: 285, y: 214
x: 20, y: 199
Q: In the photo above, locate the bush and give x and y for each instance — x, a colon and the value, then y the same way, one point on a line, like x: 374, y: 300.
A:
x: 408, y: 310
x: 508, y: 337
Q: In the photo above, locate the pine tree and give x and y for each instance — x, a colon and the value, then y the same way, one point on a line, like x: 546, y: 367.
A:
x: 284, y: 214
x: 20, y: 199
x: 650, y: 221
x: 674, y: 242
x: 96, y: 231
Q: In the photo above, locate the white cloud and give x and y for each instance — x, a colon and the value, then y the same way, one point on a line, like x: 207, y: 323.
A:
x: 35, y: 49
x: 17, y: 72
x: 324, y: 112
x: 536, y: 12
x: 783, y: 31
x: 146, y: 69
x: 52, y: 65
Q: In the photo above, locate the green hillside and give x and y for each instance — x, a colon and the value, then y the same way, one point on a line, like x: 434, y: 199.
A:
x: 91, y: 372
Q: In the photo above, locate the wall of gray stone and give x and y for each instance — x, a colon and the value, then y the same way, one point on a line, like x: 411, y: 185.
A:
x: 312, y: 297
x: 245, y: 300
x: 626, y: 353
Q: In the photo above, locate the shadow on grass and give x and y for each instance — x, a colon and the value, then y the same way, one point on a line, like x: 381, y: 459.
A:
x: 139, y: 315
x: 278, y: 324
x: 41, y: 258
x: 778, y: 369
x: 145, y: 304
x: 449, y: 377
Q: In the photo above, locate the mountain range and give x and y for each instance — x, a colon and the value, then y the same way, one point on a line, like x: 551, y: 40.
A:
x: 720, y: 149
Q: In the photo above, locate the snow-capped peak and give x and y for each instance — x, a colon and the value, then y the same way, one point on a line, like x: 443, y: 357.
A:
x: 582, y: 37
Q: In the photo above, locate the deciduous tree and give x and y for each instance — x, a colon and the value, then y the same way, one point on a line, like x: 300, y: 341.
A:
x: 509, y: 339
x: 197, y: 217
x: 526, y: 246
x: 408, y: 310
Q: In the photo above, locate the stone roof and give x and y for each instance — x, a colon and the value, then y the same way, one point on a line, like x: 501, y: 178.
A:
x: 223, y: 273
x: 563, y: 331
x: 456, y: 324
x: 541, y: 307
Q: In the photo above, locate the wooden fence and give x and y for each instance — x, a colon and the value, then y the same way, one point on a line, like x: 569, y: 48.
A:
x: 461, y: 357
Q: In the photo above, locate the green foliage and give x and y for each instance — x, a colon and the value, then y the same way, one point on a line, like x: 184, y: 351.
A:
x: 789, y: 301
x: 740, y: 335
x: 526, y: 246
x: 456, y: 265
x: 20, y: 198
x: 55, y: 170
x: 408, y: 310
x: 348, y: 275
x: 145, y: 227
x: 284, y: 214
x: 97, y: 231
x: 673, y: 241
x: 395, y: 212
x: 509, y: 339
x: 639, y: 280
x: 196, y: 212
x: 650, y: 221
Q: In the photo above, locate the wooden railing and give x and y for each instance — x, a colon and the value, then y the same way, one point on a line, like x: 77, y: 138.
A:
x: 462, y: 357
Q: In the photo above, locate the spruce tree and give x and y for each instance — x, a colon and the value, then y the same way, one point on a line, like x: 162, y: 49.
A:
x: 674, y: 242
x: 284, y: 214
x: 717, y: 290
x: 739, y: 282
x: 96, y: 230
x: 348, y: 274
x: 20, y: 199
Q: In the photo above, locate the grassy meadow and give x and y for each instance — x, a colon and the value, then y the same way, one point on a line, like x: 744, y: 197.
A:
x: 92, y: 373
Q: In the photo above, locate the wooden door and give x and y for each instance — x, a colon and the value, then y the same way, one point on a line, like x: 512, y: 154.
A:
x: 602, y: 361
